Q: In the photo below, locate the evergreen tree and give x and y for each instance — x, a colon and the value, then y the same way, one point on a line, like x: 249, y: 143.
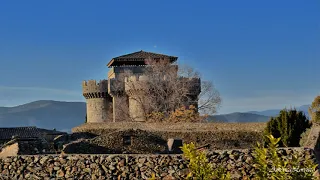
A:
x: 288, y: 125
x: 86, y: 119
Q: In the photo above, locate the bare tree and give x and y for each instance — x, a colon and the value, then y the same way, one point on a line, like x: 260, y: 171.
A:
x: 163, y: 87
x: 209, y: 97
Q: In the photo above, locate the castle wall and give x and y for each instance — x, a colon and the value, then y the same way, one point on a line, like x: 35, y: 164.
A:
x: 98, y: 110
x: 136, y: 110
x: 120, y: 108
x: 182, y: 126
x: 115, y: 72
x: 135, y: 87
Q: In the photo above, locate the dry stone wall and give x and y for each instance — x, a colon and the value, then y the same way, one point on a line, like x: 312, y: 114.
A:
x: 237, y: 162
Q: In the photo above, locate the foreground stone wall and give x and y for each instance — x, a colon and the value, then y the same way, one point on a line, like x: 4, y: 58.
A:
x: 237, y: 162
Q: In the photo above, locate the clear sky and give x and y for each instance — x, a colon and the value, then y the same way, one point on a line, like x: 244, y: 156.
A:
x: 259, y: 54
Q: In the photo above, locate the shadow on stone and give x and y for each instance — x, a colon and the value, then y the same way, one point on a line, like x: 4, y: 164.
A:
x: 84, y: 147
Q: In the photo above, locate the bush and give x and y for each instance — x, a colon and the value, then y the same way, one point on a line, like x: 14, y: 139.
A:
x: 185, y: 115
x: 182, y: 114
x: 199, y: 166
x: 269, y: 165
x: 289, y: 125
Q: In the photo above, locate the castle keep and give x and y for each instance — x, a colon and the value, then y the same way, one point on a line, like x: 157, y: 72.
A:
x: 104, y: 100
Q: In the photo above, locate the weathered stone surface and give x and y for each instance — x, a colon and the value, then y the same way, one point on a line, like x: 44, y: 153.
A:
x: 218, y: 135
x: 122, y: 166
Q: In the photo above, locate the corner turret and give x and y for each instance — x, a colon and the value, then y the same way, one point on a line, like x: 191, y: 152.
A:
x: 99, y: 102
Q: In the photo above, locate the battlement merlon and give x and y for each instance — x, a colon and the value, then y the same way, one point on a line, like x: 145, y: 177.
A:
x: 91, y: 87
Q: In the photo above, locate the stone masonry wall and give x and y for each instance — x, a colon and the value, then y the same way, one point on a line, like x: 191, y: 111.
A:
x: 99, y: 110
x: 97, y: 128
x: 237, y: 162
x: 99, y: 102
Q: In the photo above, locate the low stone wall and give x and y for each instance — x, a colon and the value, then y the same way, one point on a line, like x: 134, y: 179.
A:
x: 103, y: 128
x: 237, y: 162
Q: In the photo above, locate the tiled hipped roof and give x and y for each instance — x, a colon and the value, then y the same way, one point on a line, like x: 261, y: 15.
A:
x: 141, y: 56
x: 24, y: 132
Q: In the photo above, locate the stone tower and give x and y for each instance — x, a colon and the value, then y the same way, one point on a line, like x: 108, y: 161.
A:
x: 105, y: 98
x: 99, y: 104
x: 136, y: 110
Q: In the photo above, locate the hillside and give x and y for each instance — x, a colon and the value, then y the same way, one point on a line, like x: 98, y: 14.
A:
x: 275, y: 112
x: 239, y: 117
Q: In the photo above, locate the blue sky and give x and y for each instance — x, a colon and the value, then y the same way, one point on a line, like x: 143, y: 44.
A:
x: 259, y: 54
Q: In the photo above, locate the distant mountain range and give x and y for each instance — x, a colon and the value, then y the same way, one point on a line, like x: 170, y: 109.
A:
x: 65, y: 115
x: 274, y: 112
x: 44, y: 114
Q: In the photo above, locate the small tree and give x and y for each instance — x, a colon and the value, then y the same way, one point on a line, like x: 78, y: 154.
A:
x: 314, y: 110
x: 184, y: 114
x: 289, y: 125
x: 199, y: 166
x: 269, y: 165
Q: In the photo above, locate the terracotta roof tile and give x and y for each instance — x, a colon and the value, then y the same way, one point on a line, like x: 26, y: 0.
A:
x: 139, y: 58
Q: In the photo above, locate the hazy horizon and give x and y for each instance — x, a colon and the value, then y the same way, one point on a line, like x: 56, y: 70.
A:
x: 10, y: 106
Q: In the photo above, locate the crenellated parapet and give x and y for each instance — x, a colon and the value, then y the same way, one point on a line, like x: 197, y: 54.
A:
x: 93, y: 89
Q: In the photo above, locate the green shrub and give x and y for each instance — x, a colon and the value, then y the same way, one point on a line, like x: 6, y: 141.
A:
x: 288, y: 126
x: 199, y: 166
x: 269, y: 165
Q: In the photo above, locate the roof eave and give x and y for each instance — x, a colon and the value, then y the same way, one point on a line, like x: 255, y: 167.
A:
x: 109, y: 64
